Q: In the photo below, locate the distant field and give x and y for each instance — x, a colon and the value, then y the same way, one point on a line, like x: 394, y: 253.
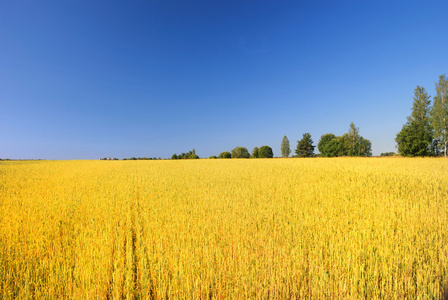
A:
x: 240, y: 229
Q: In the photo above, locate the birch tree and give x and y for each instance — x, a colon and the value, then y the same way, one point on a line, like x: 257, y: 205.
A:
x: 439, y: 113
x: 285, y: 148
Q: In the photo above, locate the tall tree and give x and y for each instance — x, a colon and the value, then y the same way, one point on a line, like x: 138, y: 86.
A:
x: 439, y: 114
x: 285, y: 149
x: 305, y: 146
x: 353, y: 139
x: 415, y: 138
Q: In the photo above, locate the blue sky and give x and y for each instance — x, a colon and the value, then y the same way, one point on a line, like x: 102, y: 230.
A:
x: 89, y: 79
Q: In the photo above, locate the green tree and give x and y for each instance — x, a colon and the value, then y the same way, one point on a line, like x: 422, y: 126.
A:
x: 356, y: 144
x: 349, y: 144
x: 353, y: 139
x: 387, y: 154
x: 439, y: 115
x: 284, y: 148
x: 305, y: 146
x: 364, y: 147
x: 255, y: 153
x: 225, y: 154
x: 265, y: 152
x: 240, y: 152
x: 323, y: 143
x: 415, y: 138
x: 192, y: 154
x: 337, y: 146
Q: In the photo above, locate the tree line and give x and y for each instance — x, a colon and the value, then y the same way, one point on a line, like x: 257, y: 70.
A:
x: 190, y: 155
x: 425, y: 132
x: 242, y: 152
x: 330, y: 145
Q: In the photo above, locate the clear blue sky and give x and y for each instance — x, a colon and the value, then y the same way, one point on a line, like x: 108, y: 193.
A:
x: 89, y: 79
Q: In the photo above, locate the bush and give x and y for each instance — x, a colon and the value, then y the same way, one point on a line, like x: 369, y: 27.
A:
x: 225, y: 154
x: 265, y: 152
x: 240, y: 152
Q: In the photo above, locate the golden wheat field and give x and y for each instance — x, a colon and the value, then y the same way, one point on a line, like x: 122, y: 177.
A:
x: 224, y: 229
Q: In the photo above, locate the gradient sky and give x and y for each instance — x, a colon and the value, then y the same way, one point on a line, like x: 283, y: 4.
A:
x: 89, y: 79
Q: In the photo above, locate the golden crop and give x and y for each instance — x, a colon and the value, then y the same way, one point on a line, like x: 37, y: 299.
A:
x: 256, y: 228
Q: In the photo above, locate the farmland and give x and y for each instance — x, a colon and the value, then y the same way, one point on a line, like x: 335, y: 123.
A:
x: 240, y: 228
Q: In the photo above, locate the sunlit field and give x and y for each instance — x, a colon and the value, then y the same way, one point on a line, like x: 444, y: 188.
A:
x: 224, y: 229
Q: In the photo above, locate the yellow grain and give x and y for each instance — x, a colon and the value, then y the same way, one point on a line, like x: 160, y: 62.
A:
x: 345, y: 228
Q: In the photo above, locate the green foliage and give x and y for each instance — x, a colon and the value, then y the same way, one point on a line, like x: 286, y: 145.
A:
x: 364, y: 147
x: 416, y: 138
x: 305, y: 146
x: 265, y: 152
x: 142, y: 158
x: 337, y: 146
x: 439, y: 116
x: 225, y: 154
x: 254, y: 153
x: 240, y: 152
x: 190, y: 155
x: 387, y: 154
x: 353, y: 140
x: 284, y: 148
x: 323, y: 143
x: 349, y: 144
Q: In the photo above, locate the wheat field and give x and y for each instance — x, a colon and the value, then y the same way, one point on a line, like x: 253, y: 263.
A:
x: 344, y: 228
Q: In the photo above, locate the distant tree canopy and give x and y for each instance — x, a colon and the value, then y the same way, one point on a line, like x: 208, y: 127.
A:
x: 350, y: 144
x: 240, y: 152
x: 254, y: 153
x: 284, y: 147
x: 305, y: 146
x: 225, y: 154
x: 213, y: 157
x: 190, y: 155
x: 137, y: 158
x: 265, y: 152
x: 387, y: 154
